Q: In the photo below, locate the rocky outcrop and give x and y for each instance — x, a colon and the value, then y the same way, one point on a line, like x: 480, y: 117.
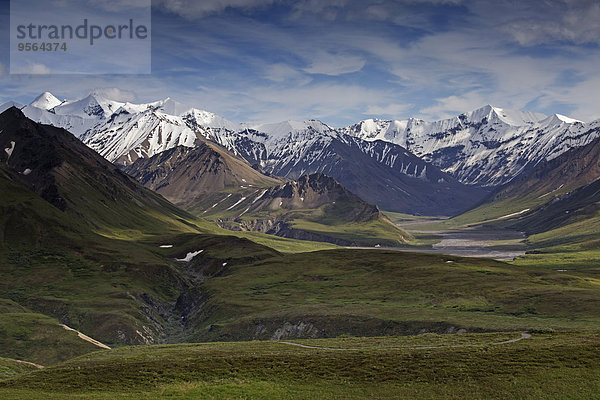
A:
x: 301, y: 329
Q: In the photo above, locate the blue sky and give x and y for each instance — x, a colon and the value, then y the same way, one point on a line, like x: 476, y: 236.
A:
x: 341, y: 61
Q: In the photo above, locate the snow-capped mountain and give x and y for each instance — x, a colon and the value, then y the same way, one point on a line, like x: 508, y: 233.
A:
x: 125, y: 137
x: 45, y: 101
x: 92, y: 106
x: 489, y: 146
x: 78, y: 117
x: 389, y: 163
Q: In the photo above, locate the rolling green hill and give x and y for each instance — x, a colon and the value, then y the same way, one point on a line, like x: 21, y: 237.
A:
x: 545, y: 366
x: 10, y: 368
x: 370, y: 292
x: 39, y: 339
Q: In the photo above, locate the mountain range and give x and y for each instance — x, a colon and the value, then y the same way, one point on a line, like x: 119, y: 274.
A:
x: 411, y: 166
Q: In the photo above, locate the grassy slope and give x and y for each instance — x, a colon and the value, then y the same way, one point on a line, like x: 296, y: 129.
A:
x: 363, y: 234
x: 39, y: 339
x: 10, y: 368
x: 29, y: 221
x: 380, y: 292
x: 98, y: 290
x: 547, y: 366
x: 92, y: 278
x: 574, y: 246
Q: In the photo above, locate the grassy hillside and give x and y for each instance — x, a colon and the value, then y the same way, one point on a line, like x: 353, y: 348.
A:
x: 370, y: 292
x: 39, y: 339
x: 572, y: 246
x: 546, y: 366
x: 10, y: 368
x: 107, y: 257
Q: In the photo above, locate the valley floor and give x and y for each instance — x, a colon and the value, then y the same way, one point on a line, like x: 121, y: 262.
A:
x: 487, y: 241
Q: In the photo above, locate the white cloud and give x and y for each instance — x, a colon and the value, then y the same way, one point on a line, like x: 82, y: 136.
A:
x: 34, y: 69
x: 335, y: 64
x: 281, y: 73
x: 574, y: 21
x: 191, y: 9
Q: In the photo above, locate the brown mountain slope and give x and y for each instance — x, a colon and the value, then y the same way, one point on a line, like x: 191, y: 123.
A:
x: 184, y: 174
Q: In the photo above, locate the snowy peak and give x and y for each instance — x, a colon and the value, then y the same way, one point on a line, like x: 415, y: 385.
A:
x: 170, y: 106
x: 45, y: 101
x: 567, y: 119
x: 209, y: 120
x: 377, y: 129
x: 488, y: 146
x: 480, y: 114
x: 557, y: 120
x: 509, y: 117
x: 125, y: 137
x: 92, y: 106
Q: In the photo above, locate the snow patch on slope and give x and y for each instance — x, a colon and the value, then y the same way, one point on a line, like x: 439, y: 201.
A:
x: 9, y: 150
x: 189, y: 256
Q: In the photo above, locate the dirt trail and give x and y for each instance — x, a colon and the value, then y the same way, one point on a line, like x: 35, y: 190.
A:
x: 523, y: 336
x: 86, y: 338
x: 38, y: 366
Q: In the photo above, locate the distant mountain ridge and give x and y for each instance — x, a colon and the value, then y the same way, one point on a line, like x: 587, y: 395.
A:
x: 408, y: 166
x: 489, y: 146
